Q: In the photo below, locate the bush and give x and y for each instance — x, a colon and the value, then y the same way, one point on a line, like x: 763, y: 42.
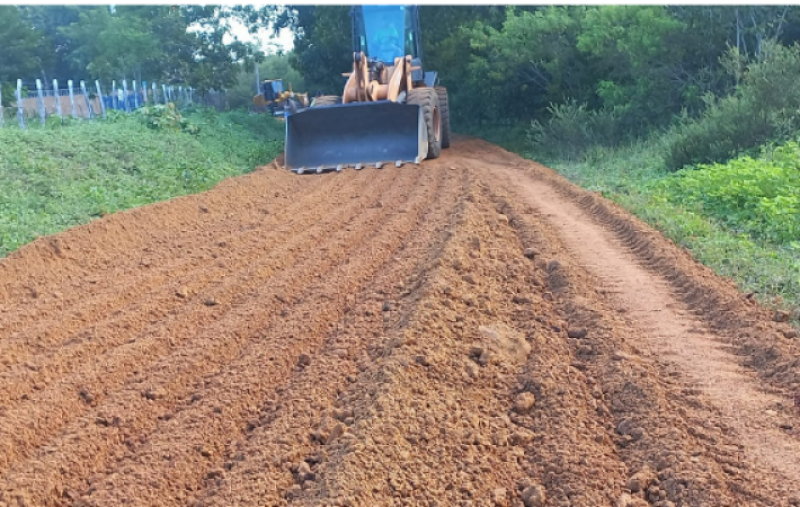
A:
x: 166, y: 117
x: 572, y: 129
x: 760, y: 197
x: 764, y: 107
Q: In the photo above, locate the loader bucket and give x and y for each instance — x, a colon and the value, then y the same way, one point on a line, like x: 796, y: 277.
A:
x: 332, y: 137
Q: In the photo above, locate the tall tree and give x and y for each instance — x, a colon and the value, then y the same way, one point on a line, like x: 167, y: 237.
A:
x: 24, y: 47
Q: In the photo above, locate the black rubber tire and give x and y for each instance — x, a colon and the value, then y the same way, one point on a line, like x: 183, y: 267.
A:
x: 428, y: 99
x: 444, y: 106
x: 327, y: 100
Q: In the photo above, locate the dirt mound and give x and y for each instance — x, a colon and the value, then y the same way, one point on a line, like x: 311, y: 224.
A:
x: 424, y: 335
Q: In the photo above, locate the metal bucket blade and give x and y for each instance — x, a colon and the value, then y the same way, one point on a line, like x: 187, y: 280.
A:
x: 350, y: 134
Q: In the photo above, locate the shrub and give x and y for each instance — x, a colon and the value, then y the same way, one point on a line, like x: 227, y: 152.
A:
x: 764, y: 107
x: 572, y: 129
x: 760, y: 197
x: 166, y: 117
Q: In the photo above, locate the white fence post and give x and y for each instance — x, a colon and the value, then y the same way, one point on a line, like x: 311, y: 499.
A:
x: 72, y: 98
x: 57, y: 98
x: 100, y: 96
x: 155, y: 94
x: 20, y: 109
x: 114, y: 100
x: 40, y: 100
x: 144, y: 93
x: 135, y: 95
x: 125, y: 94
x: 166, y: 95
x: 88, y: 101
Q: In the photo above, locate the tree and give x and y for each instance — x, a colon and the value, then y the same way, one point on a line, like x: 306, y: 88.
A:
x: 47, y: 19
x: 24, y: 49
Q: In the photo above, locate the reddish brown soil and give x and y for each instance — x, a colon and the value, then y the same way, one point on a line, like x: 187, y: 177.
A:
x: 471, y: 331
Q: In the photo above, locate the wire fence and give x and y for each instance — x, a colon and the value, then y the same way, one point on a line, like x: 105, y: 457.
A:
x: 90, y: 100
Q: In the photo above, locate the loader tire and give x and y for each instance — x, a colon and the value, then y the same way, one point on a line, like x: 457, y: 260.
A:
x: 428, y: 100
x: 444, y: 106
x: 326, y: 100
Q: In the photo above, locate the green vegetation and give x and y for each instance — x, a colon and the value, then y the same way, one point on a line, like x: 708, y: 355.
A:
x: 55, y: 177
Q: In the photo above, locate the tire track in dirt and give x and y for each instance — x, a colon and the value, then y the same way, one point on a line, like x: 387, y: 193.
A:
x: 260, y: 465
x: 686, y: 351
x: 195, y: 352
x: 178, y: 288
x: 189, y: 433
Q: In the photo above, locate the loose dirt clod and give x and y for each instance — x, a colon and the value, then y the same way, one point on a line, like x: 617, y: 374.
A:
x: 578, y: 332
x: 524, y: 402
x: 534, y: 496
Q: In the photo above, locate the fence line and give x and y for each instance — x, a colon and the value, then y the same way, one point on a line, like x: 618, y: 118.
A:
x: 89, y: 102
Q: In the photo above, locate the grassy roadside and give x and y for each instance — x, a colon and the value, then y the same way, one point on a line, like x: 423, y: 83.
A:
x: 56, y: 177
x: 680, y: 205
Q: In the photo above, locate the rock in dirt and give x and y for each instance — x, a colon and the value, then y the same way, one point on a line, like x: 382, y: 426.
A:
x: 530, y: 253
x: 86, y: 395
x: 641, y: 480
x: 210, y: 302
x: 155, y: 393
x: 506, y: 343
x: 578, y: 332
x: 182, y: 293
x: 304, y: 473
x: 790, y: 333
x: 626, y: 500
x: 781, y: 316
x: 303, y: 360
x: 534, y: 496
x: 340, y: 353
x: 553, y: 266
x: 500, y: 497
x: 524, y: 402
x: 293, y: 492
x: 521, y: 300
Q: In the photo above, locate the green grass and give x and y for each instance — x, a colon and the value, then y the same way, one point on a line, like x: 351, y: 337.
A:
x: 55, y: 177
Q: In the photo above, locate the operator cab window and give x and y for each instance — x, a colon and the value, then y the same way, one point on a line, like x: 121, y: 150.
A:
x: 387, y: 32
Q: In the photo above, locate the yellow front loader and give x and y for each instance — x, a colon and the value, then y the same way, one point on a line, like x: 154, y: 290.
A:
x: 275, y: 99
x: 390, y: 110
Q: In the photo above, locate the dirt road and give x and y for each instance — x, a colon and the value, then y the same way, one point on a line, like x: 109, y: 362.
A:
x: 472, y: 331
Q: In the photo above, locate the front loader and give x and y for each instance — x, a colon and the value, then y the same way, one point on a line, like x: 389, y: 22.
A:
x: 390, y: 111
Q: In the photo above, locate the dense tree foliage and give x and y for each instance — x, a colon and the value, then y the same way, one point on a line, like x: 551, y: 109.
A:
x: 588, y: 74
x: 190, y: 45
x: 637, y: 66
